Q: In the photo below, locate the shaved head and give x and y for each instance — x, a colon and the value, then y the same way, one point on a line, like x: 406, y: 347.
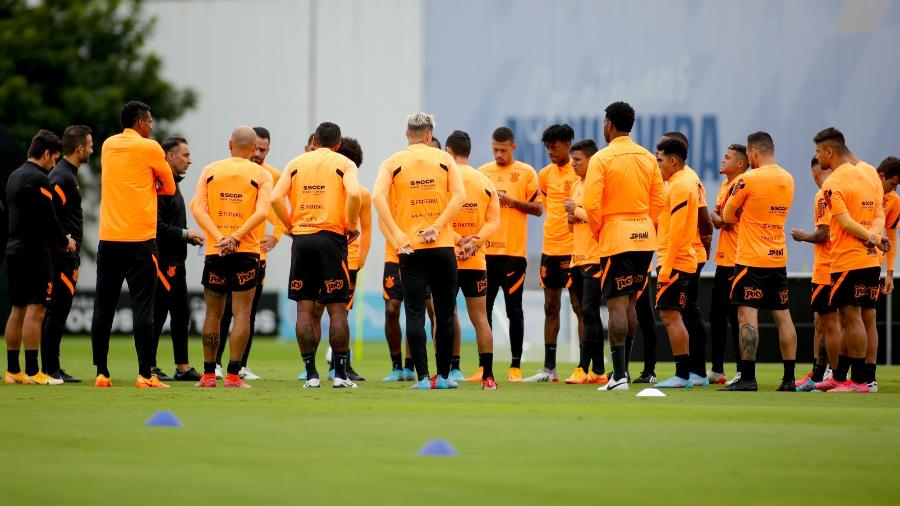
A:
x: 243, y: 142
x: 243, y: 137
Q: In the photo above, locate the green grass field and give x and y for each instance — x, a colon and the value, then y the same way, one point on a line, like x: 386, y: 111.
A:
x: 523, y: 444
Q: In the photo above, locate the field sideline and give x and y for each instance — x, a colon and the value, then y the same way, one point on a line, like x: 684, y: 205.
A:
x: 523, y: 444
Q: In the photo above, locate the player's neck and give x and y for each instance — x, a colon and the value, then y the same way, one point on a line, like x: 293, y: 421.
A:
x: 72, y: 159
x: 504, y: 166
x: 461, y: 160
x: 731, y: 177
x: 39, y: 163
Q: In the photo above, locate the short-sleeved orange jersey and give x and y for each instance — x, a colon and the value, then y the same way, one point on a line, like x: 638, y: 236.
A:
x: 556, y: 183
x: 586, y: 249
x: 701, y: 193
x: 764, y: 196
x: 891, y: 204
x: 390, y: 252
x: 623, y: 196
x: 480, y: 192
x: 855, y: 190
x: 519, y: 181
x: 277, y: 226
x: 314, y: 185
x: 821, y: 250
x: 353, y: 249
x: 677, y: 224
x: 726, y: 247
x: 228, y: 190
x: 130, y: 168
x: 421, y: 192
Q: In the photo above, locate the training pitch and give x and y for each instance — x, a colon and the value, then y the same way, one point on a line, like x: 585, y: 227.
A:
x: 522, y: 444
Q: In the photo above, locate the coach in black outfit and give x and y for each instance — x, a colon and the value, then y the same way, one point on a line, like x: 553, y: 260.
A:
x: 77, y: 146
x: 173, y: 236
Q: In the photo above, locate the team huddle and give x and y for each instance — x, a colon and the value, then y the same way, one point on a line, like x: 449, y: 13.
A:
x: 450, y: 227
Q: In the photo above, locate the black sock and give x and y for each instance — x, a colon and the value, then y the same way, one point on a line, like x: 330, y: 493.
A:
x: 683, y: 366
x: 618, y: 359
x: 409, y: 364
x: 340, y: 364
x: 12, y: 361
x: 748, y: 370
x: 309, y: 362
x: 550, y: 356
x: 396, y: 362
x: 234, y: 367
x: 487, y: 361
x: 857, y: 370
x: 584, y: 356
x: 843, y: 366
x: 454, y: 362
x: 31, y: 362
x: 788, y: 369
x: 516, y: 362
x: 818, y: 373
x: 596, y: 356
x: 870, y: 373
x: 209, y: 367
x: 102, y: 369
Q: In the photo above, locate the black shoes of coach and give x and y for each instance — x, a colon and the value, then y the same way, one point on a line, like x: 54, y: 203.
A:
x: 161, y: 376
x: 787, y: 385
x: 189, y: 375
x: 353, y: 376
x: 66, y: 377
x: 742, y: 385
x: 646, y: 377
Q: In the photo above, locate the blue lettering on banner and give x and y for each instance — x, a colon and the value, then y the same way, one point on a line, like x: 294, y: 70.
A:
x: 703, y: 156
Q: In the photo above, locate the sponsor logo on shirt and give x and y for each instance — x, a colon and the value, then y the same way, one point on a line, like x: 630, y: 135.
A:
x: 422, y: 184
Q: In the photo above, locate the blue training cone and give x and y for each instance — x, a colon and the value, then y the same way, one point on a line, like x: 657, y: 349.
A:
x: 438, y: 448
x: 163, y: 419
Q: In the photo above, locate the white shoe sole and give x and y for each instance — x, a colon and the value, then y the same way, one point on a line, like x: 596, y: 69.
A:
x: 313, y: 383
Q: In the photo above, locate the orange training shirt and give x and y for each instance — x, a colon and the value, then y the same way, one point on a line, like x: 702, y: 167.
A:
x: 555, y: 183
x: 764, y: 196
x: 476, y: 211
x: 852, y: 189
x: 822, y: 250
x: 353, y: 248
x: 677, y: 221
x: 891, y: 204
x: 726, y: 247
x: 586, y: 249
x: 421, y: 191
x: 131, y: 166
x: 701, y: 192
x: 277, y: 227
x: 623, y: 196
x: 228, y: 191
x: 314, y: 185
x: 519, y: 181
